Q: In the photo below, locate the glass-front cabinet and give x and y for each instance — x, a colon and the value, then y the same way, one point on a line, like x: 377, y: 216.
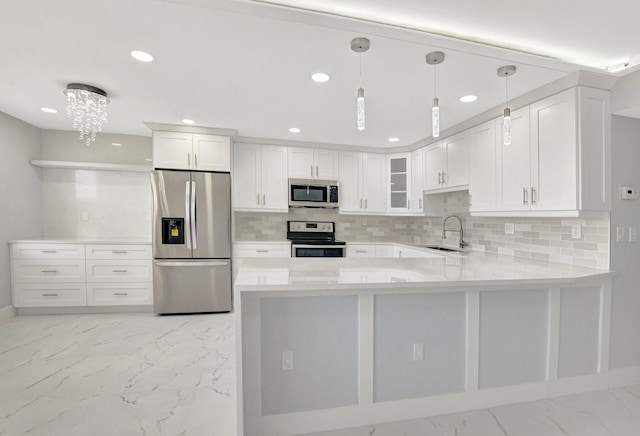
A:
x: 399, y: 180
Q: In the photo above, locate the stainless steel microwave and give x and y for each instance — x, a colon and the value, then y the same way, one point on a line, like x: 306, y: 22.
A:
x: 313, y: 193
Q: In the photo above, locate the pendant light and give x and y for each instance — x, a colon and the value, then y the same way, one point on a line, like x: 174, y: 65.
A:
x: 434, y: 58
x: 506, y: 71
x: 360, y: 45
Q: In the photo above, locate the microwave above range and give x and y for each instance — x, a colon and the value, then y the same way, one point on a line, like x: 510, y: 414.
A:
x: 313, y: 193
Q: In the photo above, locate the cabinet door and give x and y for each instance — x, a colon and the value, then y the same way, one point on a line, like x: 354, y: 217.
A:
x: 374, y: 182
x: 399, y: 182
x: 554, y: 152
x: 211, y: 153
x: 172, y: 150
x: 514, y: 167
x: 301, y: 163
x: 482, y: 174
x: 350, y: 181
x: 456, y: 153
x: 416, y: 182
x: 247, y: 176
x: 275, y: 184
x: 326, y: 162
x: 433, y: 167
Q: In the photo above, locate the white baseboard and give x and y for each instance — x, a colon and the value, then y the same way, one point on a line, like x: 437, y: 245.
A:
x: 624, y: 376
x: 83, y: 310
x: 7, y: 313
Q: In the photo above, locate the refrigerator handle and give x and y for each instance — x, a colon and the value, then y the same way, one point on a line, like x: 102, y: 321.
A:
x: 191, y: 263
x: 192, y: 215
x: 187, y: 213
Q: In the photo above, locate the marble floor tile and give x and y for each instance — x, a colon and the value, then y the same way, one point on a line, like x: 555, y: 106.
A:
x: 118, y: 374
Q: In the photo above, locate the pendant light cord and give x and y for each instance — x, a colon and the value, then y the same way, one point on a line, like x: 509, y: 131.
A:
x: 360, y: 57
x: 506, y: 87
x: 435, y: 80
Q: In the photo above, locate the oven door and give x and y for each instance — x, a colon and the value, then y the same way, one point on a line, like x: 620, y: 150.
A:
x: 308, y: 195
x: 317, y: 250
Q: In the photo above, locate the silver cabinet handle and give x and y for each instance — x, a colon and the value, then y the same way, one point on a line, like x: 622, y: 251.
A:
x: 444, y: 177
x: 258, y: 199
x: 48, y: 251
x: 119, y: 271
x: 264, y: 199
x: 317, y: 171
x: 311, y: 170
x: 120, y: 293
x: 525, y: 196
x: 50, y: 295
x: 49, y: 271
x: 119, y: 251
x: 408, y: 203
x: 262, y: 251
x: 189, y: 160
x: 365, y: 203
x: 361, y: 251
x: 533, y: 195
x: 195, y: 158
x: 420, y: 203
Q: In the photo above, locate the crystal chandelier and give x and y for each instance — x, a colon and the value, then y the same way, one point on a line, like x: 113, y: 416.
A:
x: 87, y: 105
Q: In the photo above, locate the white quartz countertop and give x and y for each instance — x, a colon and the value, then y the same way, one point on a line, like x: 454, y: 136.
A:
x: 105, y: 241
x: 472, y: 268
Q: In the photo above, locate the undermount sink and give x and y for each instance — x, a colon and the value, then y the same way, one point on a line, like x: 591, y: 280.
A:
x: 440, y: 248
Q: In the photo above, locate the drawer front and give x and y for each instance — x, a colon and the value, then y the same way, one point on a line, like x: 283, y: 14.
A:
x: 47, y: 251
x: 48, y: 295
x: 114, y: 271
x: 119, y: 294
x: 266, y: 251
x: 361, y: 250
x: 48, y: 271
x: 119, y: 252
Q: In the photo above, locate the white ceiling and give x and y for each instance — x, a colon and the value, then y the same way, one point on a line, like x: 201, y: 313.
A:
x: 246, y: 65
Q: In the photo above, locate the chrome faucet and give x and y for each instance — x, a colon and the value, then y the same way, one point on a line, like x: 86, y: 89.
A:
x: 461, y: 231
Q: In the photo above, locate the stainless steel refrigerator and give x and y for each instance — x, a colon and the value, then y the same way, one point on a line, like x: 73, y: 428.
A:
x: 191, y: 241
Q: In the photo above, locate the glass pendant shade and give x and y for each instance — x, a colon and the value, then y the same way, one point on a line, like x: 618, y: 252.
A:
x: 435, y: 118
x: 360, y: 109
x: 506, y: 126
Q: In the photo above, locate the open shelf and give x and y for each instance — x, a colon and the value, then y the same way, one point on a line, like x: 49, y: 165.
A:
x: 91, y: 166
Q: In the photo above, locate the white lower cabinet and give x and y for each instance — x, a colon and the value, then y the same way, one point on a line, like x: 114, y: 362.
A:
x: 261, y: 249
x: 361, y: 250
x: 68, y: 275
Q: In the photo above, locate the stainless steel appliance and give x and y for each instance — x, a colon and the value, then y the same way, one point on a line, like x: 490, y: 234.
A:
x: 191, y: 241
x: 314, y: 239
x: 313, y: 193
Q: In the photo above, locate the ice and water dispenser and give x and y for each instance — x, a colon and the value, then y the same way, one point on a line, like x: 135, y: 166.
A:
x: 173, y: 230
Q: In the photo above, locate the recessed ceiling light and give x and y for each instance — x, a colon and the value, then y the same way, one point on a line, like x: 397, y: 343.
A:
x: 468, y: 98
x: 48, y: 110
x: 394, y: 139
x: 187, y: 121
x: 320, y: 77
x: 294, y: 130
x: 117, y: 144
x: 142, y: 56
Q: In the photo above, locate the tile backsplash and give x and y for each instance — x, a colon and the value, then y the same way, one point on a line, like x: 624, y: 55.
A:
x: 535, y: 238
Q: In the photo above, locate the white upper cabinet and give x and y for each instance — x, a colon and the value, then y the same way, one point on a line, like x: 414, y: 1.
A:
x: 260, y: 178
x: 556, y: 162
x: 482, y: 172
x: 187, y: 151
x: 446, y: 164
x: 399, y: 183
x: 363, y: 182
x: 310, y: 163
x: 417, y: 189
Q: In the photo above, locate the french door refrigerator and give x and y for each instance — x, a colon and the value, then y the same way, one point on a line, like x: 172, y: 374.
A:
x: 191, y: 241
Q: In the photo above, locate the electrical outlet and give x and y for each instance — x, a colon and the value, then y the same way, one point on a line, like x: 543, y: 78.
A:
x: 287, y: 360
x: 633, y: 234
x: 418, y: 352
x: 576, y: 231
x: 620, y: 233
x: 509, y: 228
x: 85, y: 216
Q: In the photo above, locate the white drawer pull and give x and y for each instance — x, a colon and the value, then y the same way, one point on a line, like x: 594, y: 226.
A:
x: 48, y: 251
x: 49, y: 295
x: 120, y: 293
x: 119, y: 270
x: 49, y: 271
x: 119, y: 251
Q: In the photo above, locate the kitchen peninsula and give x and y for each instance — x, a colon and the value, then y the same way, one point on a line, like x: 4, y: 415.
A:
x: 337, y: 343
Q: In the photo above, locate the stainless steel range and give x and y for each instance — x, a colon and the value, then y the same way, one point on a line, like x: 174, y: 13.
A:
x: 314, y: 239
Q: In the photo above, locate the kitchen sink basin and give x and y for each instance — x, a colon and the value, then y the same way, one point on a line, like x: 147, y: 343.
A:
x: 440, y: 248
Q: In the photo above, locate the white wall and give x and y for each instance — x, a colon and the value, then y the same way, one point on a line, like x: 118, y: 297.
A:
x: 96, y: 204
x: 20, y: 191
x: 625, y: 256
